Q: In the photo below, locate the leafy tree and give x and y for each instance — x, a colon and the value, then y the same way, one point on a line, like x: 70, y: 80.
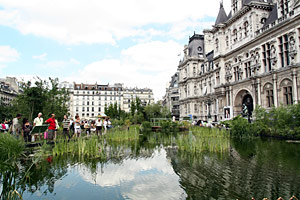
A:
x: 42, y: 96
x: 132, y: 107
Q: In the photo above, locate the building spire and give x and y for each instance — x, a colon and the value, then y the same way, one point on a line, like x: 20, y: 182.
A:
x: 222, y: 16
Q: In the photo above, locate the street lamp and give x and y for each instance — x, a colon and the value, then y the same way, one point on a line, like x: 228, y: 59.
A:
x: 208, y: 101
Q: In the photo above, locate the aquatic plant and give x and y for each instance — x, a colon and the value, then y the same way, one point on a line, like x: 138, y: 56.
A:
x: 200, y: 139
x: 12, y: 174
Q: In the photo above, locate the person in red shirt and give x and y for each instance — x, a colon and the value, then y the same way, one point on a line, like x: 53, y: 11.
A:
x: 52, y: 126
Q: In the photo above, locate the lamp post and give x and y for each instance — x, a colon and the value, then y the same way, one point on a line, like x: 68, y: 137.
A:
x: 209, y: 101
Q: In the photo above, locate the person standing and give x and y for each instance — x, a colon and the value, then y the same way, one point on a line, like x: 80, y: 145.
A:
x: 26, y: 128
x: 16, y: 128
x: 109, y: 126
x: 105, y: 125
x: 77, y: 126
x: 87, y: 128
x: 52, y: 126
x: 98, y: 126
x: 38, y: 121
x: 66, y: 127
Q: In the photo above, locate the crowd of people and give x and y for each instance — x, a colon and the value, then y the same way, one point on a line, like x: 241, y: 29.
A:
x: 70, y: 127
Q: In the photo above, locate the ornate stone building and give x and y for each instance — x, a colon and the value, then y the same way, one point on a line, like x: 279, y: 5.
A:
x: 171, y: 98
x: 9, y: 90
x: 250, y: 57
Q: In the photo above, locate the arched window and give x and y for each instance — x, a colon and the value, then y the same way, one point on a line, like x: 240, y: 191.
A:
x: 227, y: 41
x: 217, y: 44
x: 235, y: 36
x: 246, y: 28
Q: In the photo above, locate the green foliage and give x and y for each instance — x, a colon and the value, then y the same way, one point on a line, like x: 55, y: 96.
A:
x: 202, y: 139
x: 146, y: 127
x: 283, y: 121
x: 42, y: 96
x: 168, y: 127
x: 241, y: 127
x: 6, y: 112
x: 13, y: 176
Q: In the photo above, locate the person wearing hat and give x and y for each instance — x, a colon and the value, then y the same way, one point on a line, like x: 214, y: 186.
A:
x: 16, y: 127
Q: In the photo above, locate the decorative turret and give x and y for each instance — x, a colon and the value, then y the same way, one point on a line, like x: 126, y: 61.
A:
x: 222, y: 16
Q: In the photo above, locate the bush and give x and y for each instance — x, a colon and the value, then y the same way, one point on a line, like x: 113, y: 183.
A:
x: 241, y: 127
x: 283, y: 122
x: 146, y: 127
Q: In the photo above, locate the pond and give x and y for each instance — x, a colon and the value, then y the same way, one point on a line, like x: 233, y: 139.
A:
x: 142, y: 170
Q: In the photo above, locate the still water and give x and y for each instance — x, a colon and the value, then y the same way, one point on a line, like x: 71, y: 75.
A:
x: 260, y: 168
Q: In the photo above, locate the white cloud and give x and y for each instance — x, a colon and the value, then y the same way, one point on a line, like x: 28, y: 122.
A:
x: 8, y: 54
x: 99, y: 21
x: 149, y: 64
x: 54, y: 64
x: 145, y: 178
x: 40, y: 57
x: 74, y: 61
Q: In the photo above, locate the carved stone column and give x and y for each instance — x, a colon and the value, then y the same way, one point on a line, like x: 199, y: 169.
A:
x: 275, y: 90
x: 295, y: 89
x: 258, y: 92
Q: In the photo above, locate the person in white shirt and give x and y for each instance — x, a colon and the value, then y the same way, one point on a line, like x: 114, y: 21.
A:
x: 105, y: 125
x: 108, y: 123
x: 16, y: 127
x: 38, y: 121
x: 77, y: 127
x: 99, y: 126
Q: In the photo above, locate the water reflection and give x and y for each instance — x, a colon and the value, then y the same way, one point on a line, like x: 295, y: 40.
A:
x: 145, y: 170
x: 252, y: 168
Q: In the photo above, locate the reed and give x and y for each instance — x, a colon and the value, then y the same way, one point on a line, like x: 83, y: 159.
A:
x: 200, y: 139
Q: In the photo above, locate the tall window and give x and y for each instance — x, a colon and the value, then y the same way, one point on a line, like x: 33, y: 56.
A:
x: 284, y: 7
x: 227, y: 41
x: 235, y: 35
x: 248, y: 69
x: 246, y: 28
x: 195, y: 108
x: 236, y: 73
x: 284, y: 50
x: 270, y: 97
x: 267, y: 57
x: 217, y: 44
x: 218, y: 78
x: 288, y: 95
x: 234, y: 5
x: 195, y: 89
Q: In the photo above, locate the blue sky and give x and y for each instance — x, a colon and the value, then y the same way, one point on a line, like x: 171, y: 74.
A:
x: 135, y: 42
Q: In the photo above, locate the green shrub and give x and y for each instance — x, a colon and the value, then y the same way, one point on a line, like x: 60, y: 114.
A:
x: 146, y: 127
x: 241, y: 127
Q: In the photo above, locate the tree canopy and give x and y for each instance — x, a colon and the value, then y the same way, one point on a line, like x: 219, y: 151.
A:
x: 41, y: 96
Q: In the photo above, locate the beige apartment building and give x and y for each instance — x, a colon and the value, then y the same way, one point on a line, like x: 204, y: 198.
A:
x: 88, y: 101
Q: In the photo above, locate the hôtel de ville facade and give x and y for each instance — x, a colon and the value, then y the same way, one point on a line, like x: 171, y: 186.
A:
x: 250, y: 57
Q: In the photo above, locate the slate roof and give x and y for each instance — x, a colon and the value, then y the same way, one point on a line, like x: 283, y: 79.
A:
x: 196, y: 45
x: 222, y: 16
x: 273, y: 16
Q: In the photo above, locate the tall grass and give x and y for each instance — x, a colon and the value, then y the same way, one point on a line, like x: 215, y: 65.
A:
x: 201, y: 139
x: 12, y: 173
